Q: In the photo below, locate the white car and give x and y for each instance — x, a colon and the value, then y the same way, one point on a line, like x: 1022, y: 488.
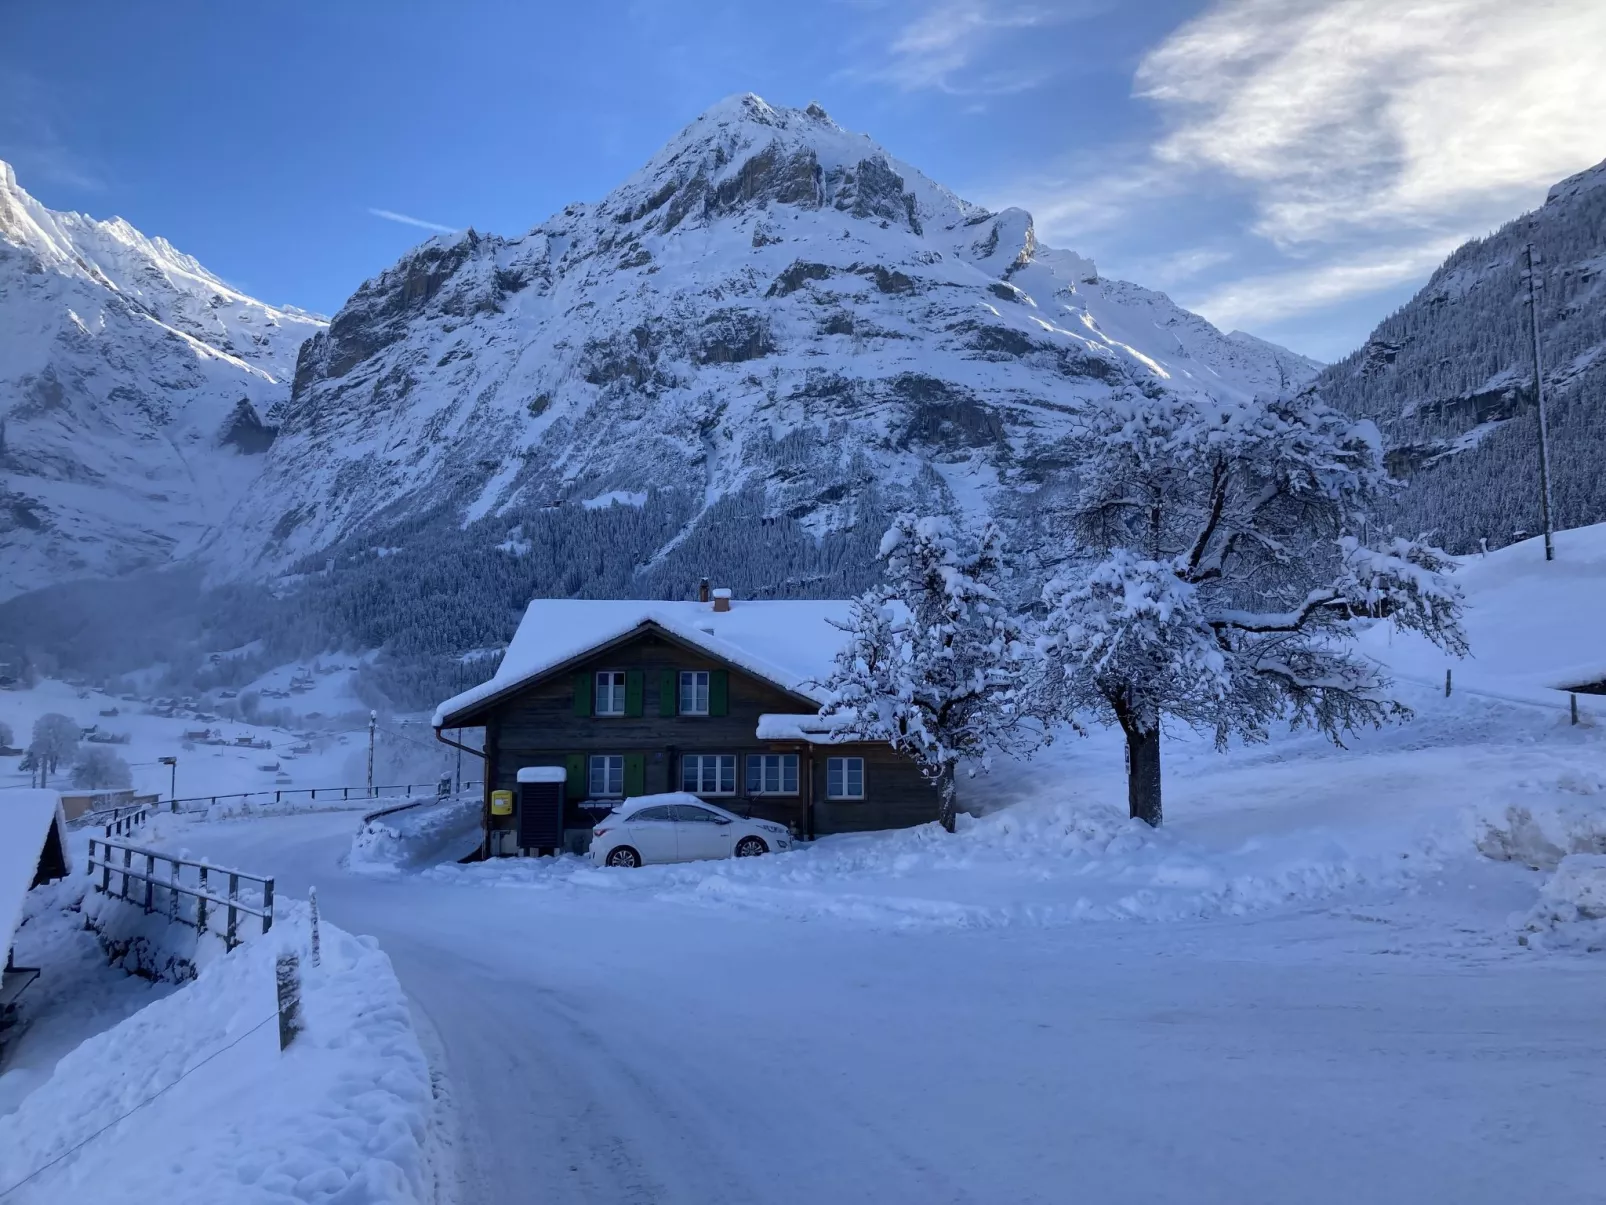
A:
x: 680, y: 828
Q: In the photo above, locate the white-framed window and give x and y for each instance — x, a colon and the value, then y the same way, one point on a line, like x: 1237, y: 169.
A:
x: 607, y: 775
x: 772, y: 774
x: 708, y: 773
x: 694, y: 693
x: 844, y: 778
x: 610, y: 692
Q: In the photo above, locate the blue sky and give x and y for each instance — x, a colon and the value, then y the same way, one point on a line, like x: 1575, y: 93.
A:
x: 1295, y: 168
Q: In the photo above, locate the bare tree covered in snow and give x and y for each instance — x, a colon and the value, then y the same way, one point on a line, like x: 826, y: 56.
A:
x: 1218, y: 578
x: 98, y: 766
x: 55, y: 740
x: 934, y: 662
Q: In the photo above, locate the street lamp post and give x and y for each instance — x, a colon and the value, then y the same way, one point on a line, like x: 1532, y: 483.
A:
x: 172, y: 781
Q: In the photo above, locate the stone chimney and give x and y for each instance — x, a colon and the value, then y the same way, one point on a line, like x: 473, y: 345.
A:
x: 722, y: 599
x: 702, y: 591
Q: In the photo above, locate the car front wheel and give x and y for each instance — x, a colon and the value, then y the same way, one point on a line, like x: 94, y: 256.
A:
x: 623, y: 856
x: 751, y: 847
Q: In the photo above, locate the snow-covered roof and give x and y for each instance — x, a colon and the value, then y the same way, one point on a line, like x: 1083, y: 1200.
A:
x: 816, y: 730
x: 791, y: 643
x: 26, y: 817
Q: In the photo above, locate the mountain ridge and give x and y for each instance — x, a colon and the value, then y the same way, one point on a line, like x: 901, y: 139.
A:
x: 122, y: 363
x: 1448, y: 378
x: 766, y: 277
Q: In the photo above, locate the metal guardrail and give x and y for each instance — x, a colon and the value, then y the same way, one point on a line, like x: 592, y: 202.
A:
x: 125, y: 820
x: 186, y: 903
x: 117, y: 822
x: 344, y: 794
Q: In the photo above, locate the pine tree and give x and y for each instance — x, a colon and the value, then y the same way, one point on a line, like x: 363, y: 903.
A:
x: 934, y: 659
x: 1217, y: 578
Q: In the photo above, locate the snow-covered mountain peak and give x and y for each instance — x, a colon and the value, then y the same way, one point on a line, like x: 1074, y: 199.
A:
x: 744, y: 153
x: 773, y: 313
x: 135, y: 387
x: 1585, y: 181
x: 156, y: 279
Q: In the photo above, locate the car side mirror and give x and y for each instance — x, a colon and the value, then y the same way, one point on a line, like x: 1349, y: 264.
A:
x: 721, y: 820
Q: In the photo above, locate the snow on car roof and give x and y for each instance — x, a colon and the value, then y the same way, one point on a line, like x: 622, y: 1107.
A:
x: 791, y: 643
x: 25, y: 819
x: 628, y: 807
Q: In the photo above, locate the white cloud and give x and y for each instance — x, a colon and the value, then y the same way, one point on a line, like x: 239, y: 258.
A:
x: 1343, y: 147
x: 1257, y: 299
x: 941, y: 48
x: 391, y: 215
x: 1348, y: 115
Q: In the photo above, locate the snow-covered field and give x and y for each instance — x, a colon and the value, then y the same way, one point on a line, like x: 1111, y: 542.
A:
x: 326, y: 751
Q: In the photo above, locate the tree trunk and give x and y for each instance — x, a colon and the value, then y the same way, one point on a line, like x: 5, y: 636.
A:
x: 949, y: 792
x: 1143, y: 774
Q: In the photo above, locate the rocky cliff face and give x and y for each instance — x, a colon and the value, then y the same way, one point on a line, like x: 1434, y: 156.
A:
x: 1449, y: 378
x: 773, y: 310
x: 124, y: 368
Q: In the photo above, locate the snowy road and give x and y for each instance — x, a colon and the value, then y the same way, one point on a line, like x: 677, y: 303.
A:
x: 618, y: 1047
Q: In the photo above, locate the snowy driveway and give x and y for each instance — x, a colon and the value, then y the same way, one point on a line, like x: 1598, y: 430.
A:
x: 626, y: 1047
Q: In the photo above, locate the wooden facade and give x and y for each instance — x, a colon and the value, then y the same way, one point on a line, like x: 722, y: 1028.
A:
x: 552, y: 721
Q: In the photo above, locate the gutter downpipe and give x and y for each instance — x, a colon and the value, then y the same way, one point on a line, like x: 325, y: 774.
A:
x: 485, y: 788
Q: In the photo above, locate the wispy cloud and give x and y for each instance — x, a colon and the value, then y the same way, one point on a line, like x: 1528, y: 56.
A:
x: 390, y: 215
x: 1255, y: 299
x: 1347, y: 114
x: 1345, y: 145
x: 950, y: 46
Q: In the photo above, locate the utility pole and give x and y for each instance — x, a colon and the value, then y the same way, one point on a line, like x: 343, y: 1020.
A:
x: 1539, y: 397
x: 373, y: 720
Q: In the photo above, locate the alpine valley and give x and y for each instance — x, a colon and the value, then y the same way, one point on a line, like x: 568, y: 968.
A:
x: 739, y: 364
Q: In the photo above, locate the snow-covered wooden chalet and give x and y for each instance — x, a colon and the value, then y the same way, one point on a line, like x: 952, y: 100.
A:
x: 720, y: 698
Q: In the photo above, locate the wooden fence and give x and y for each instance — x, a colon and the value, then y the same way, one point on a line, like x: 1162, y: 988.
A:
x: 184, y: 891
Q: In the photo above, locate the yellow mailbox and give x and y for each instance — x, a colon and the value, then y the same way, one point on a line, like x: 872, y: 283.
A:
x: 501, y: 803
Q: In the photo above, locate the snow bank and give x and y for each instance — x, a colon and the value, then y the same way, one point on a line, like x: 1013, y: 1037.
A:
x: 191, y: 1100
x: 1034, y: 864
x: 1540, y: 835
x: 1572, y: 906
x: 435, y: 831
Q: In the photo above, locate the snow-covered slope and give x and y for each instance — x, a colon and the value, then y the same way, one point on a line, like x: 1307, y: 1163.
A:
x: 1449, y: 377
x: 772, y: 308
x: 133, y: 389
x: 1536, y: 627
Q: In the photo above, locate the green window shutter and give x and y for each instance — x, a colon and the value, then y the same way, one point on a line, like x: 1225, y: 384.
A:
x: 668, y: 693
x: 635, y: 774
x: 582, y: 694
x: 719, y: 692
x: 578, y: 785
x: 634, y: 685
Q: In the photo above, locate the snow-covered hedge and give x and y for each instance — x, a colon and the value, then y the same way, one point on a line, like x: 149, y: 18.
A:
x: 191, y: 1100
x: 436, y: 831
